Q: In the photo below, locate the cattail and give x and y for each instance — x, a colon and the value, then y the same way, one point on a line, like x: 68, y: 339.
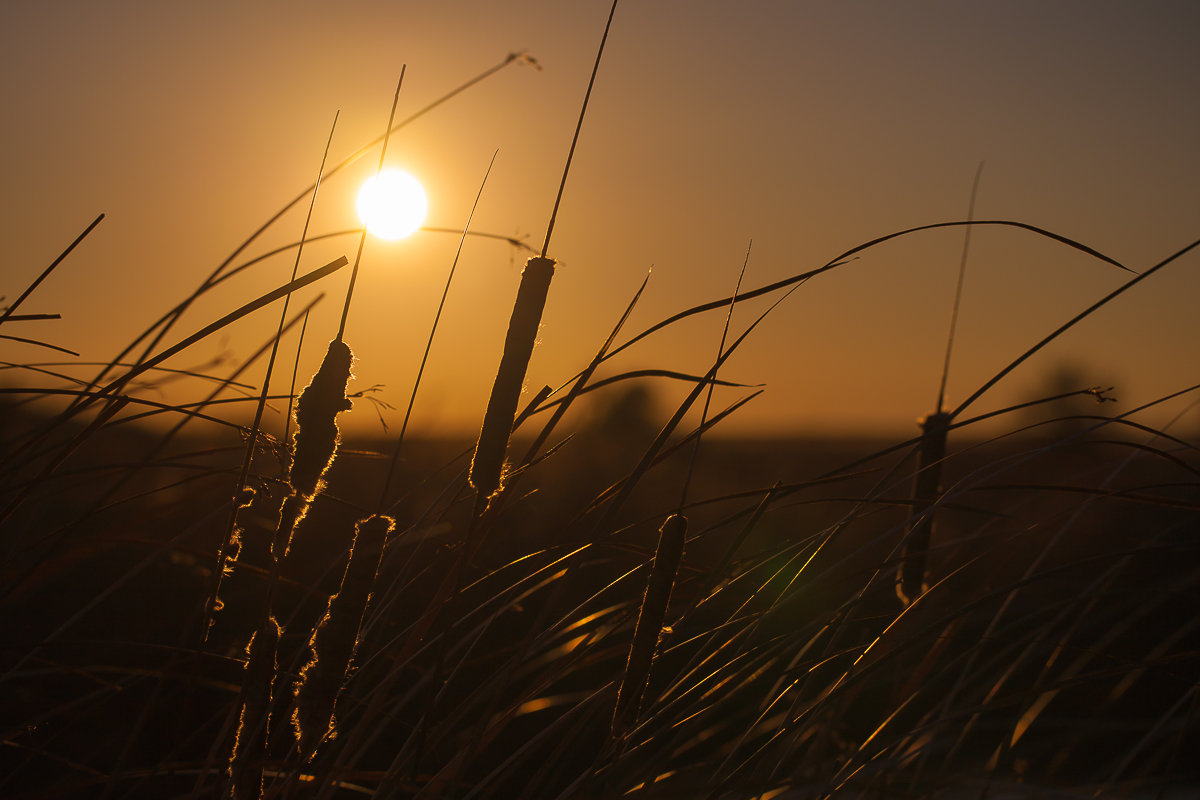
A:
x: 254, y: 527
x: 316, y: 436
x: 488, y: 463
x: 250, y: 747
x: 294, y: 507
x: 649, y: 628
x: 249, y: 566
x: 911, y: 579
x: 335, y: 638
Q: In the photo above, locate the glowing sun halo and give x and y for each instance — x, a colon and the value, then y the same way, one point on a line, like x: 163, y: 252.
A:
x: 392, y: 204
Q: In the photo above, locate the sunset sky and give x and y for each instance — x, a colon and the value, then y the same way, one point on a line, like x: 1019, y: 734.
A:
x: 807, y: 127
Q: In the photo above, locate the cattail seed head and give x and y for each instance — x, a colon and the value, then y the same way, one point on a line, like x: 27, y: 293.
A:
x: 488, y: 463
x: 316, y: 436
x: 250, y: 747
x: 650, y: 623
x: 911, y: 579
x: 251, y: 564
x: 335, y: 638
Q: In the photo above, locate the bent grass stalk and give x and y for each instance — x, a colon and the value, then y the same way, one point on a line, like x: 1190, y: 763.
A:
x: 7, y: 316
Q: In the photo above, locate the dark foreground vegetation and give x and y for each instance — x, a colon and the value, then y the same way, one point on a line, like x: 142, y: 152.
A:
x: 586, y: 601
x: 1057, y: 645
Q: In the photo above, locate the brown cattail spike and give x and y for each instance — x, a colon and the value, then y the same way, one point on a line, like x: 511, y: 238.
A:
x: 488, y: 463
x: 252, y: 563
x: 911, y: 579
x: 250, y: 748
x: 650, y: 621
x: 336, y: 637
x: 316, y: 419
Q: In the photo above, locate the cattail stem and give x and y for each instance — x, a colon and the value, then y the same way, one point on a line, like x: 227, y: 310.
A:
x: 911, y: 580
x: 488, y: 463
x: 335, y: 638
x: 647, y: 632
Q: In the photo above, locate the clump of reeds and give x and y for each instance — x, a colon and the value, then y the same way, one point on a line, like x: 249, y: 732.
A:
x: 335, y: 638
x: 488, y: 464
x: 911, y: 579
x: 649, y: 628
x: 250, y: 747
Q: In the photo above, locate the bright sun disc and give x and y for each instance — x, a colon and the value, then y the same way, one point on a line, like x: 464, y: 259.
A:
x: 392, y: 204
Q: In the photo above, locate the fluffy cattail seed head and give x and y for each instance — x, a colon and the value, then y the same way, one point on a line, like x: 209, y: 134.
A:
x: 316, y: 436
x: 336, y: 637
x: 250, y: 748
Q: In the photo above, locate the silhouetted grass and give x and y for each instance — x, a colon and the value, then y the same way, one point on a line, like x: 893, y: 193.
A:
x: 565, y: 641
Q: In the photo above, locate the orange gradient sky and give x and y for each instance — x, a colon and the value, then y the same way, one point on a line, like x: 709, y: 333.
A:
x: 807, y: 127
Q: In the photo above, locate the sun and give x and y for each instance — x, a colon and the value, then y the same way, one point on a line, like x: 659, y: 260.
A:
x: 392, y: 204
